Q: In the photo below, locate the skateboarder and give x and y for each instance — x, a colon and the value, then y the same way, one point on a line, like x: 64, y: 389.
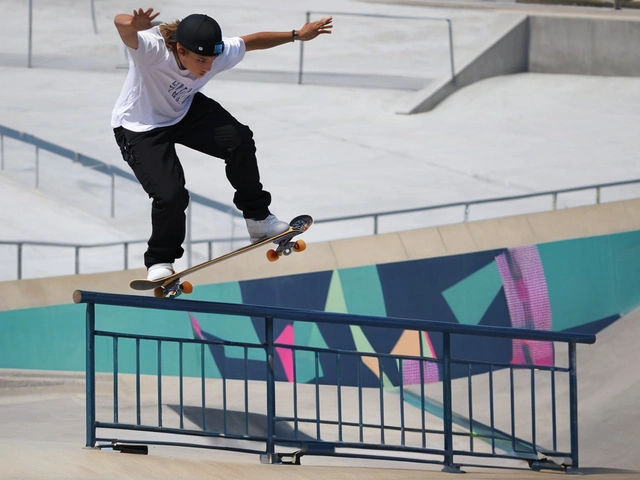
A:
x: 160, y: 106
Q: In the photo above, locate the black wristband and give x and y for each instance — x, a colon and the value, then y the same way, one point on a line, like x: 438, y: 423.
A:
x: 294, y: 35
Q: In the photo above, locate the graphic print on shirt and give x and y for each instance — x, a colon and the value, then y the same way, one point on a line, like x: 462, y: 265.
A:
x: 179, y: 92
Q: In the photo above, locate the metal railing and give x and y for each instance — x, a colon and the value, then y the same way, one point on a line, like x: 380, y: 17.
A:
x: 167, y: 400
x: 77, y: 250
x: 373, y: 15
x: 375, y: 218
x: 30, y: 29
x: 95, y: 165
x: 597, y: 188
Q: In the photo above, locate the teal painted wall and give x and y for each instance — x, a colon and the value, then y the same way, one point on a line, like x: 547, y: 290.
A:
x: 588, y: 280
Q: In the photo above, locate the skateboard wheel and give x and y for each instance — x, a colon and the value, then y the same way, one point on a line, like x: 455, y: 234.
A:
x: 272, y: 255
x: 300, y: 246
x: 186, y: 287
x: 158, y: 292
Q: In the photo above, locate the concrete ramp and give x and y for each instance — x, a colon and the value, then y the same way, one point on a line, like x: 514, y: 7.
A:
x: 609, y: 389
x: 43, y: 437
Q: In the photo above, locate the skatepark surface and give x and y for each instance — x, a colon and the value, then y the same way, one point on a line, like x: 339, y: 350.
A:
x: 42, y: 433
x: 330, y: 147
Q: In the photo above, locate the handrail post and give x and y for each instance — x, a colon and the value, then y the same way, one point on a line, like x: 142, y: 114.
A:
x: 375, y: 224
x: 37, y: 168
x: 466, y: 213
x: 126, y: 255
x: 93, y: 17
x: 90, y: 380
x: 271, y: 390
x: 113, y: 194
x: 189, y: 237
x: 554, y: 201
x: 1, y: 152
x: 30, y: 35
x: 301, y: 60
x: 19, y: 260
x: 597, y: 195
x: 77, y: 254
x: 453, y: 70
x: 447, y: 409
x: 573, y: 402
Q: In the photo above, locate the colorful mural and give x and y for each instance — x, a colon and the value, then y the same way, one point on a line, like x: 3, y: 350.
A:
x: 528, y: 287
x: 574, y: 285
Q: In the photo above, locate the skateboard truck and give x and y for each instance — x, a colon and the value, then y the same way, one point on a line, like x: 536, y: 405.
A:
x: 173, y: 290
x: 286, y: 248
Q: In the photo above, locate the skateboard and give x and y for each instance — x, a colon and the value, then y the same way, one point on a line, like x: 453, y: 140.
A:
x: 172, y: 286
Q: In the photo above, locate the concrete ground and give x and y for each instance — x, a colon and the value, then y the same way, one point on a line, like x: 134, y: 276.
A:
x: 43, y: 430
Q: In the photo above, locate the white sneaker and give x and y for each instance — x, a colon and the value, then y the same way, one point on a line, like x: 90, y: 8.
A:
x: 160, y: 270
x: 261, y: 229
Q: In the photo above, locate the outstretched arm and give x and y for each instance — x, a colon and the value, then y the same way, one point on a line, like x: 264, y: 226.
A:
x: 263, y: 40
x: 129, y: 25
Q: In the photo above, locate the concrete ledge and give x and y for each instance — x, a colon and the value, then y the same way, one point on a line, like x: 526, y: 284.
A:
x: 545, y: 43
x: 585, y: 46
x: 507, y: 53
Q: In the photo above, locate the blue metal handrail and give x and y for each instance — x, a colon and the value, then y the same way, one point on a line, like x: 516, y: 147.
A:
x: 318, y: 446
x: 195, y: 306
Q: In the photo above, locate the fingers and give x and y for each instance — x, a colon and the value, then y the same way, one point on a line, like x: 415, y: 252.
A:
x: 312, y: 29
x: 148, y: 13
x: 324, y: 25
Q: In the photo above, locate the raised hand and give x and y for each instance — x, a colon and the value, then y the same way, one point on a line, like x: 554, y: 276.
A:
x: 142, y: 19
x: 312, y: 29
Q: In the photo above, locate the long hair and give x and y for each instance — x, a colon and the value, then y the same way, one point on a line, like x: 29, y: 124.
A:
x: 168, y: 31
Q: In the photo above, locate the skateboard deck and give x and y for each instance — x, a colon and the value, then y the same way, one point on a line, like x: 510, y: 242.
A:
x: 172, y: 286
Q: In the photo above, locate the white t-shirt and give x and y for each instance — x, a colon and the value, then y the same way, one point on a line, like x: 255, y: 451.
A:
x: 156, y: 93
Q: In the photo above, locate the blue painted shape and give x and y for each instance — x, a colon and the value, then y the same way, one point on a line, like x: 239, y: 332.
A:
x: 307, y: 334
x: 228, y: 327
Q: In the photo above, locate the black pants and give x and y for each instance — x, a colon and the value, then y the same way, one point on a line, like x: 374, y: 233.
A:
x: 207, y: 128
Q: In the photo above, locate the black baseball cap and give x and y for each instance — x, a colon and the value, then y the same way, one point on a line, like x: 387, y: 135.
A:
x: 201, y: 34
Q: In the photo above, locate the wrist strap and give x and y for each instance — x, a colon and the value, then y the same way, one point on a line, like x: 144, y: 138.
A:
x: 294, y: 35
